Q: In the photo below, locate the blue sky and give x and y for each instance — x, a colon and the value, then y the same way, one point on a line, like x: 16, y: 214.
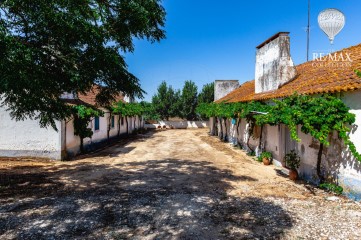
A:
x: 210, y: 40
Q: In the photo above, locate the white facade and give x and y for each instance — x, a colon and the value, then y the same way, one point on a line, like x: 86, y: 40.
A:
x: 27, y: 139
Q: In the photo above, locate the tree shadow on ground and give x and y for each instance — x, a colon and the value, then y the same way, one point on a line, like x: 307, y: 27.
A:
x: 154, y: 199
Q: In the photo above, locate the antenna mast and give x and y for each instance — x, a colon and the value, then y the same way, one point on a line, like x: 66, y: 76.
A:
x: 308, y: 29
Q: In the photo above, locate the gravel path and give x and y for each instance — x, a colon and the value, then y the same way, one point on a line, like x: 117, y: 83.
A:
x: 173, y: 184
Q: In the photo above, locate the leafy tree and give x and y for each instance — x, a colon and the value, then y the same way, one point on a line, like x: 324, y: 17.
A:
x: 207, y: 94
x: 56, y: 46
x: 166, y: 101
x: 189, y: 100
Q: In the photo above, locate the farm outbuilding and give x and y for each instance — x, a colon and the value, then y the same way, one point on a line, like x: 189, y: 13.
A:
x: 276, y: 77
x: 27, y: 139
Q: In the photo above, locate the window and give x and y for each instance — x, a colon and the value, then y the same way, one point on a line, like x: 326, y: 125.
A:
x: 96, y: 123
x: 112, y: 121
x: 122, y: 121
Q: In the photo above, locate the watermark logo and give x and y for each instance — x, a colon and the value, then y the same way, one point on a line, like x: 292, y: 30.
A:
x: 331, y: 21
x: 332, y: 59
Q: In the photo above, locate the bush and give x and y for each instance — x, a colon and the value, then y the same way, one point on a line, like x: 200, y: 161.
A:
x: 292, y: 160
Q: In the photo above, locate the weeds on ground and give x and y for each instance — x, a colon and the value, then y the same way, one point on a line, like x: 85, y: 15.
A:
x: 331, y: 187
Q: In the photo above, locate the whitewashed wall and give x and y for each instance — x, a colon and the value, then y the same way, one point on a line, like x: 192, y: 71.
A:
x: 101, y: 135
x: 27, y: 138
x: 337, y: 161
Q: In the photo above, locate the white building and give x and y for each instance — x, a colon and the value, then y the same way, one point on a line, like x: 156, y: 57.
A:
x: 27, y: 139
x: 276, y: 77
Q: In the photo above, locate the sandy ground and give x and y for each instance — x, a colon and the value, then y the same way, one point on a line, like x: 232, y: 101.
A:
x: 171, y: 184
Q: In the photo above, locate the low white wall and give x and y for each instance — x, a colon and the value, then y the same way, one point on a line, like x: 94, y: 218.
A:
x: 179, y: 124
x: 27, y: 139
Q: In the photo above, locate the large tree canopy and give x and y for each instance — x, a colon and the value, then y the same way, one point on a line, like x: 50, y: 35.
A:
x: 56, y: 46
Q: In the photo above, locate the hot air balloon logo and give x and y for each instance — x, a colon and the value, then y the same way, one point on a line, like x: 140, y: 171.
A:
x: 331, y: 21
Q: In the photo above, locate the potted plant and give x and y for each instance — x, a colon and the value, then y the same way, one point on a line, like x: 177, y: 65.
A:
x: 293, y: 162
x: 266, y: 158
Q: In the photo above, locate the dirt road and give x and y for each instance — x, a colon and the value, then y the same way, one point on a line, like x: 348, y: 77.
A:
x: 173, y: 184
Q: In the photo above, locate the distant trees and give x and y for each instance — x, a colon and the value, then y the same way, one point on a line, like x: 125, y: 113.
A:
x: 189, y: 100
x: 168, y: 102
x: 165, y: 102
x: 207, y: 94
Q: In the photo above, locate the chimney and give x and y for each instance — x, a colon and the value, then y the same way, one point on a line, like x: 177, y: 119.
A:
x: 224, y: 87
x: 274, y: 65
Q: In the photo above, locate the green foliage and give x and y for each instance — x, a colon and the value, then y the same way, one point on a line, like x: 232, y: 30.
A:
x: 207, y: 94
x: 189, y: 100
x: 166, y: 102
x: 292, y: 160
x: 127, y: 109
x: 149, y: 112
x: 82, y: 116
x: 55, y: 46
x: 267, y: 155
x: 331, y: 187
x: 317, y: 116
x: 232, y: 110
x: 358, y: 72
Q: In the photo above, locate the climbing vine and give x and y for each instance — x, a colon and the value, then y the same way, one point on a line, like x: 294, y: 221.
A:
x: 127, y: 110
x: 82, y: 116
x: 318, y: 116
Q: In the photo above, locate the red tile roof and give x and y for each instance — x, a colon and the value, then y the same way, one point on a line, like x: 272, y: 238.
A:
x: 311, y: 79
x: 90, y: 96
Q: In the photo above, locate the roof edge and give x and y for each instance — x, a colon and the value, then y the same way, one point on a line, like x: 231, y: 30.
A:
x: 272, y: 38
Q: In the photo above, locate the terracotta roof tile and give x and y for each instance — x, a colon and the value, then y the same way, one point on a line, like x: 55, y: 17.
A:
x: 90, y: 96
x: 311, y: 79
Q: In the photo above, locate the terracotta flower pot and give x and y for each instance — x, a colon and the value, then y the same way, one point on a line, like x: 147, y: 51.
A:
x: 293, y: 174
x: 266, y: 161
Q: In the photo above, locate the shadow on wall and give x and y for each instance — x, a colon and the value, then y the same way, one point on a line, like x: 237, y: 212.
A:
x: 157, y: 199
x: 343, y: 167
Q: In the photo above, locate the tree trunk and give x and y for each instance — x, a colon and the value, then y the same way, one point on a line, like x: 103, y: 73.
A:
x: 126, y: 121
x: 225, y: 138
x: 319, y: 159
x: 250, y: 131
x: 119, y: 118
x: 109, y: 126
x: 238, y: 124
x: 82, y: 145
x: 220, y: 133
x: 260, y: 138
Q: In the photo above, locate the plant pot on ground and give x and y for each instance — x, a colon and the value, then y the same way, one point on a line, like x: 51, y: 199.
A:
x: 292, y: 161
x: 266, y: 158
